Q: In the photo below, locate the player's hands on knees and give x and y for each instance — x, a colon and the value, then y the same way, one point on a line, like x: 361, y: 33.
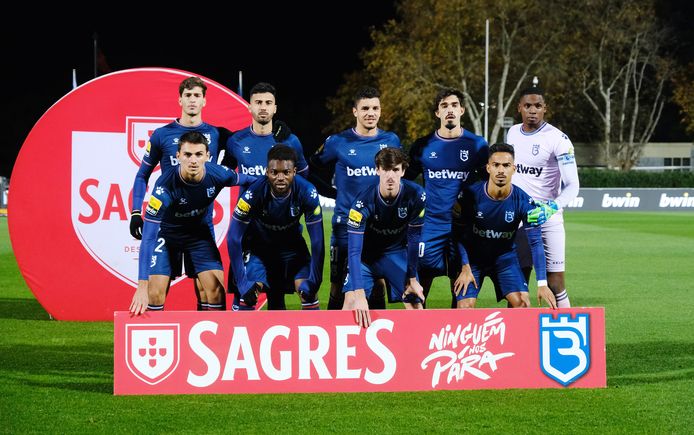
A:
x: 413, y: 295
x: 136, y: 224
x: 140, y: 299
x: 465, y: 277
x: 356, y: 301
x: 544, y: 292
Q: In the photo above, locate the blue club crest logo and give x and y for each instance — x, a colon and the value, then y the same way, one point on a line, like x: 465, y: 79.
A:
x: 464, y: 154
x: 564, y: 347
x: 536, y: 149
x: 402, y: 212
x: 508, y: 217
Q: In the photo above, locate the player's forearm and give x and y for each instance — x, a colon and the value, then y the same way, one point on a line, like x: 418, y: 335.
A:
x: 463, y: 254
x: 537, y: 250
x: 140, y: 185
x: 355, y: 243
x: 570, y: 184
x: 244, y: 180
x: 315, y: 232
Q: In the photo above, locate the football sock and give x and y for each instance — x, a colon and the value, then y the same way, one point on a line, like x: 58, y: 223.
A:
x: 563, y: 299
x: 151, y: 307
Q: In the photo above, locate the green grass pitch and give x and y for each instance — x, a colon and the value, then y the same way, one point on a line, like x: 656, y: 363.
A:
x: 57, y: 377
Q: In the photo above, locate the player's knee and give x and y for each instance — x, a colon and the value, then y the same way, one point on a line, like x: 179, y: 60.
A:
x: 466, y: 303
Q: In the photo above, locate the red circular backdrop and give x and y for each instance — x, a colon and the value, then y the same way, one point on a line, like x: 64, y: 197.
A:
x: 71, y: 188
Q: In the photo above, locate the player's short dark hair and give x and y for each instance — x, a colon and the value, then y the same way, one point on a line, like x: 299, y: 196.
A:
x: 193, y: 137
x: 390, y: 157
x: 447, y: 92
x: 282, y: 152
x: 263, y: 87
x: 532, y: 90
x: 190, y: 83
x: 363, y: 93
x: 502, y: 148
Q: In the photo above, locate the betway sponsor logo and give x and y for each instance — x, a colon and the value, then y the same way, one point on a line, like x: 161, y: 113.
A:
x: 530, y: 170
x: 491, y: 234
x: 448, y: 174
x: 364, y: 171
x: 277, y: 227
x: 257, y: 170
x: 388, y: 231
x: 310, y: 346
x: 676, y: 201
x: 192, y: 213
x: 627, y: 201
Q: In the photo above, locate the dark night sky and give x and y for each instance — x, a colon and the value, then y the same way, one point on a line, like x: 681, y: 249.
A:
x: 259, y: 39
x: 264, y: 43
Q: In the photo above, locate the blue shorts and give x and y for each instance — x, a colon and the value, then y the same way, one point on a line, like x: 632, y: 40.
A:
x: 279, y: 270
x: 338, y: 254
x: 505, y: 273
x: 391, y: 266
x: 198, y: 248
x: 437, y: 253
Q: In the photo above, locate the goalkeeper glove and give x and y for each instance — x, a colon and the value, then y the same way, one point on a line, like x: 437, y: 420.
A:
x: 541, y: 214
x: 136, y: 224
x: 280, y: 131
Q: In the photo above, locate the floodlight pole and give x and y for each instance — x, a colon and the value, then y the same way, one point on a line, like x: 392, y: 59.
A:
x: 486, y: 82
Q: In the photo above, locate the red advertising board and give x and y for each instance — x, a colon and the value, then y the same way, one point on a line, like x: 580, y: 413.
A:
x: 70, y: 206
x: 293, y: 351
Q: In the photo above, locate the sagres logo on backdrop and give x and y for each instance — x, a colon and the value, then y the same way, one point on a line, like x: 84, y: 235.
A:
x: 564, y: 346
x: 152, y: 351
x: 471, y: 349
x: 102, y: 180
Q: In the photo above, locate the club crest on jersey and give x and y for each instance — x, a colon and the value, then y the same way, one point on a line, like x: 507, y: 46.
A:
x: 464, y: 155
x: 152, y: 351
x: 564, y: 347
x: 536, y: 149
x: 210, y: 192
x: 402, y: 212
x: 294, y: 211
x: 508, y: 217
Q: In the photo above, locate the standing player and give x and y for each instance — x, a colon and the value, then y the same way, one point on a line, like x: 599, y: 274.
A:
x: 490, y: 214
x: 247, y: 149
x: 176, y: 224
x: 384, y: 223
x: 448, y: 159
x: 277, y: 259
x: 352, y: 152
x: 546, y: 170
x: 162, y: 148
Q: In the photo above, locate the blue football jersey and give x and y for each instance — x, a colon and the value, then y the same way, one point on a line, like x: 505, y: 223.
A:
x: 355, y: 168
x: 275, y: 222
x: 249, y: 150
x: 489, y: 225
x: 162, y: 147
x: 179, y: 205
x: 385, y: 225
x: 447, y: 165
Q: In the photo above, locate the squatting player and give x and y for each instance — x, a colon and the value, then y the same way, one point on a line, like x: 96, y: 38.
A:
x: 277, y: 260
x: 490, y: 213
x: 384, y: 224
x: 448, y: 159
x: 176, y: 224
x: 352, y: 152
x: 546, y: 170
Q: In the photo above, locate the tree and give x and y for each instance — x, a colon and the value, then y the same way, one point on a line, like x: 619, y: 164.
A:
x: 624, y: 74
x: 683, y: 82
x: 435, y: 44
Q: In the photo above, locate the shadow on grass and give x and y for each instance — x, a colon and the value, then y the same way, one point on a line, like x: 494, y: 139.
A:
x: 84, y: 368
x: 22, y: 309
x: 649, y: 362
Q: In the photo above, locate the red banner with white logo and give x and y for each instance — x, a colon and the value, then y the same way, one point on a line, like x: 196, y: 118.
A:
x: 69, y: 212
x: 293, y: 351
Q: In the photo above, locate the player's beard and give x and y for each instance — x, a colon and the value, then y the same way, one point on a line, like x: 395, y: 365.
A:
x: 450, y: 125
